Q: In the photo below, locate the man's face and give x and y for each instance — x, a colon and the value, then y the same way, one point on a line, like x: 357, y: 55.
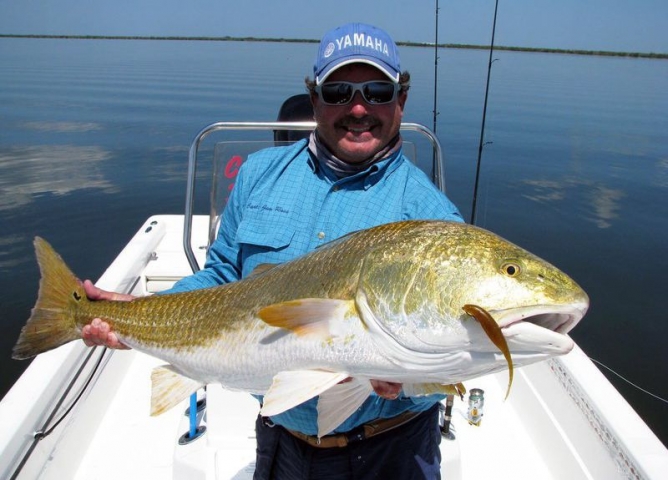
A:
x: 358, y: 130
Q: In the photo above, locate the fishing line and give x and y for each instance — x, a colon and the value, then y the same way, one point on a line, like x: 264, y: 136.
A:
x: 39, y: 435
x: 629, y: 381
x: 484, y: 115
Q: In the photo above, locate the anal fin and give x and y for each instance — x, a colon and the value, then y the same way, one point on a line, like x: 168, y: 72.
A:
x: 169, y: 388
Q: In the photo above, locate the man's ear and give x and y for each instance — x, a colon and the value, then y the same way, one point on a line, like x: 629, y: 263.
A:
x: 402, y: 96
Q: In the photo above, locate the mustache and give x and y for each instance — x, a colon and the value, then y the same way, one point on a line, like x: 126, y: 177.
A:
x: 351, y: 121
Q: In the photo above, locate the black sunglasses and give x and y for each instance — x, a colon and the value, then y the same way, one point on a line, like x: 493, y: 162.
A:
x: 375, y: 92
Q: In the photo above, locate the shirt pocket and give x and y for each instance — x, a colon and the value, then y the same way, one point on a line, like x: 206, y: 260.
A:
x: 263, y: 241
x: 264, y: 234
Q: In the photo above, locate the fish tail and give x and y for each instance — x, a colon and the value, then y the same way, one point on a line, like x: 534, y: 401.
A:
x: 52, y: 321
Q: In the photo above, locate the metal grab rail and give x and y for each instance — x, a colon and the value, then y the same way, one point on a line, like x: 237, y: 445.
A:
x: 438, y: 178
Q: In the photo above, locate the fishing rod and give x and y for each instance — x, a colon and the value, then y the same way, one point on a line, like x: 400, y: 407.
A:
x: 434, y: 158
x: 445, y: 411
x: 435, y: 67
x: 484, y: 115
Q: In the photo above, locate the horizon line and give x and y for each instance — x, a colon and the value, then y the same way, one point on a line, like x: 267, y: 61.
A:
x: 228, y: 38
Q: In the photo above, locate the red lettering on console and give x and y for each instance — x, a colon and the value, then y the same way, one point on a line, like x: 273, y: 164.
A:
x: 232, y: 166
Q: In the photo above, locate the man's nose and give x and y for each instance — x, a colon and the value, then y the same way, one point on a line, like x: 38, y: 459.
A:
x: 358, y: 105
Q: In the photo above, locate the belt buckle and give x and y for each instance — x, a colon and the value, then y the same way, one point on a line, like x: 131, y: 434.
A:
x: 356, y: 435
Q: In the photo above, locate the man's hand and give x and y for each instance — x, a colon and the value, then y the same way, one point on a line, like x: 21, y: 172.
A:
x: 98, y: 332
x: 386, y: 390
x: 95, y: 293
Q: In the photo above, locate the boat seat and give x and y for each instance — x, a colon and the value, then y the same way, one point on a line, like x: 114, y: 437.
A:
x: 295, y: 108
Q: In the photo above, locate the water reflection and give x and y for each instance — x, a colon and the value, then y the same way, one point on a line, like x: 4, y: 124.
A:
x: 606, y: 204
x: 27, y: 171
x: 171, y: 164
x: 661, y: 177
x: 62, y: 127
x: 603, y: 201
x: 9, y: 245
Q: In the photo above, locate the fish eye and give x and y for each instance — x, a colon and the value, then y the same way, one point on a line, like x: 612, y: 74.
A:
x: 511, y: 269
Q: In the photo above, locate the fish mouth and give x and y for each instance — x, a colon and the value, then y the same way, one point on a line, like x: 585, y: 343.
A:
x: 559, y: 318
x: 545, y: 325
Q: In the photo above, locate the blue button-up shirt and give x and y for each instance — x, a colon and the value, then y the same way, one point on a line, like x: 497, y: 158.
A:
x: 285, y: 203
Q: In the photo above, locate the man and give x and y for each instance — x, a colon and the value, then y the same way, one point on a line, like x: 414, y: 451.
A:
x: 349, y: 175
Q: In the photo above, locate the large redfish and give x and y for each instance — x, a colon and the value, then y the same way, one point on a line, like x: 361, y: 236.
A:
x: 425, y: 303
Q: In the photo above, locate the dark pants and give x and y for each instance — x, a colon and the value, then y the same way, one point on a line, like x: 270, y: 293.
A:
x: 408, y: 452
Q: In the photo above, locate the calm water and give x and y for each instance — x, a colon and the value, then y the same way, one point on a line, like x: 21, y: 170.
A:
x: 94, y: 138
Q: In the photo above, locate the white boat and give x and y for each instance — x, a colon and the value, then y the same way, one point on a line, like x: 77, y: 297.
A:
x: 81, y: 413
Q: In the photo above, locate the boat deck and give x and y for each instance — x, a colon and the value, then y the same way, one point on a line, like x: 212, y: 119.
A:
x: 140, y: 446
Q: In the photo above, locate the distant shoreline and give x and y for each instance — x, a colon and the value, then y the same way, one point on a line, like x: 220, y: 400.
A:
x: 305, y: 40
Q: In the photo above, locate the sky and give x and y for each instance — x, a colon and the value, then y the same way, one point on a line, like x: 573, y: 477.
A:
x: 608, y: 25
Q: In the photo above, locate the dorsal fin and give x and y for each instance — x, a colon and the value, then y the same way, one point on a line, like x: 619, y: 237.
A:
x: 261, y: 268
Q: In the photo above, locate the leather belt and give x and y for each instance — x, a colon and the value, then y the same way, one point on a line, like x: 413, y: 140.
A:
x: 357, y: 434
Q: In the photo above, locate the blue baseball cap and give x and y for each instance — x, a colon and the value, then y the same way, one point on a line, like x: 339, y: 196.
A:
x: 356, y: 43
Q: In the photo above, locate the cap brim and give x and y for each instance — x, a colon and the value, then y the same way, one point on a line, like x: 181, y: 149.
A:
x: 329, y: 69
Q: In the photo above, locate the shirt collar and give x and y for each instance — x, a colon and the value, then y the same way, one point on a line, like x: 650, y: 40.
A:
x: 336, y: 170
x: 368, y: 177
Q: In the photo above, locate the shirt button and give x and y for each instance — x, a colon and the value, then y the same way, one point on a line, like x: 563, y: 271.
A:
x: 321, y: 235
x: 336, y: 188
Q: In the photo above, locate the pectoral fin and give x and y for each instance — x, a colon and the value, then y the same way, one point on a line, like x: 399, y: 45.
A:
x: 308, y: 316
x: 290, y: 389
x: 169, y: 388
x: 495, y: 335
